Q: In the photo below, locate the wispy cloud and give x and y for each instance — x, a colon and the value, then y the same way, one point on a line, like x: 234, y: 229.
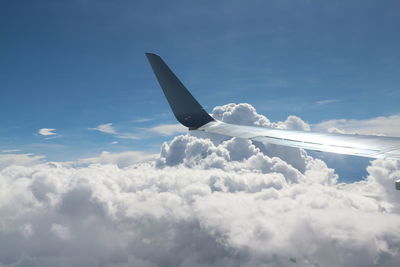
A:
x: 140, y: 120
x: 127, y: 136
x: 378, y: 126
x: 326, y: 101
x: 105, y: 128
x: 47, y: 131
x: 109, y: 129
x: 168, y: 129
x: 10, y: 150
x: 141, y: 133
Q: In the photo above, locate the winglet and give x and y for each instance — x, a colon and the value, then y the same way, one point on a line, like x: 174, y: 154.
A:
x: 184, y: 106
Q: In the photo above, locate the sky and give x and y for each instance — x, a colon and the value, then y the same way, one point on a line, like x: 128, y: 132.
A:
x: 75, y: 65
x: 96, y: 171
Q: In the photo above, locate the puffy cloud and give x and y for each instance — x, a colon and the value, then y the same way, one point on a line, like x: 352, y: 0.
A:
x: 293, y: 123
x: 245, y: 214
x: 19, y: 159
x: 121, y: 159
x: 243, y: 113
x: 47, y: 131
x: 377, y: 126
x: 247, y: 115
x: 204, y: 201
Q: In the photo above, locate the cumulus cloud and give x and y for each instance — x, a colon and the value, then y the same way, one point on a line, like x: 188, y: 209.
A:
x: 375, y: 126
x: 203, y: 201
x: 26, y: 159
x: 121, y: 159
x: 47, y: 131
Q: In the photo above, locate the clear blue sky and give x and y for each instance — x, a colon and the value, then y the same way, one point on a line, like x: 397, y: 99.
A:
x: 73, y: 65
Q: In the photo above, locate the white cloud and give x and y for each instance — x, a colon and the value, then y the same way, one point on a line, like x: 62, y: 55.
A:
x: 196, y: 215
x: 204, y: 201
x: 109, y: 129
x: 140, y: 120
x: 168, y: 129
x: 127, y: 136
x: 10, y: 150
x: 377, y: 126
x: 105, y: 128
x: 242, y: 113
x: 327, y: 101
x: 121, y: 159
x: 47, y: 131
x: 19, y: 159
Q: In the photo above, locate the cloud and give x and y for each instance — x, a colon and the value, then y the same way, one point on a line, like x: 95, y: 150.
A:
x: 375, y: 126
x: 105, y: 128
x: 244, y: 215
x: 203, y: 201
x: 127, y: 136
x: 109, y: 129
x: 168, y: 129
x: 243, y: 113
x: 19, y: 159
x: 140, y: 120
x: 325, y: 102
x: 47, y: 131
x: 10, y: 150
x: 163, y: 129
x: 121, y: 159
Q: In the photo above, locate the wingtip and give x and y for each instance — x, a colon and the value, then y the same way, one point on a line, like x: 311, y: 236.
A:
x: 184, y: 106
x: 151, y: 55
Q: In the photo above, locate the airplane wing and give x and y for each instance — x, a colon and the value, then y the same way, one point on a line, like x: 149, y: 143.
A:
x: 191, y: 114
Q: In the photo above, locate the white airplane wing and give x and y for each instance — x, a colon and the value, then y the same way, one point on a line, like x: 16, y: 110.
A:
x: 191, y: 114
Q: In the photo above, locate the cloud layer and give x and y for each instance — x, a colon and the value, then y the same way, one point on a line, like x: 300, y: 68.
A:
x: 211, y: 201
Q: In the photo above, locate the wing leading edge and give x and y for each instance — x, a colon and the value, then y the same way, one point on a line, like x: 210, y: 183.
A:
x: 191, y: 114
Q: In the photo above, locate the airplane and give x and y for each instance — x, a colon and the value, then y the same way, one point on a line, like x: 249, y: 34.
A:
x: 192, y: 115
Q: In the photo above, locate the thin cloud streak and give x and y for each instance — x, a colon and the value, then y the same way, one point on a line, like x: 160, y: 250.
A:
x: 168, y: 129
x: 109, y: 129
x: 10, y: 150
x: 389, y: 125
x: 327, y: 101
x: 140, y: 120
x: 105, y: 128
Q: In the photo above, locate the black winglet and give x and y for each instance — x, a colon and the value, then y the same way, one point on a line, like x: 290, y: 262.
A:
x: 184, y: 106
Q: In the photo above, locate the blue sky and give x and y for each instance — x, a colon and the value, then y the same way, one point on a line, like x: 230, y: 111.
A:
x: 75, y: 65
